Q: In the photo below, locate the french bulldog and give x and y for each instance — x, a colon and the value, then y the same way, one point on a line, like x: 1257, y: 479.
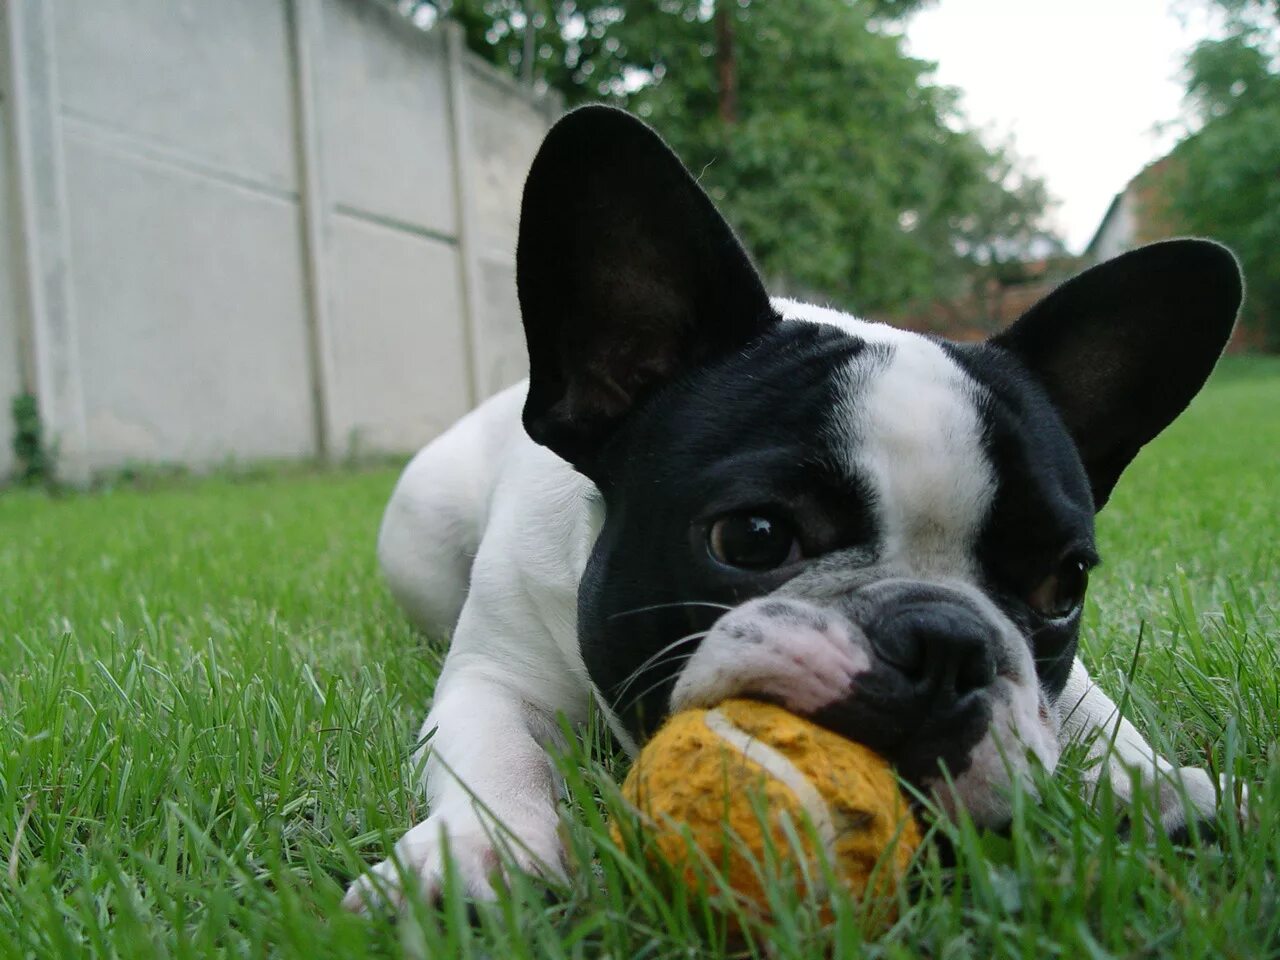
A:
x: 701, y: 493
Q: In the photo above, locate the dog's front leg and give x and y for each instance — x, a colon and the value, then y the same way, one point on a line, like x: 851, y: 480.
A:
x: 490, y: 788
x: 1117, y: 750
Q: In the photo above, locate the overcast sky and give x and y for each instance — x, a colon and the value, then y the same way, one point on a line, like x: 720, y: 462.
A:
x: 1080, y: 84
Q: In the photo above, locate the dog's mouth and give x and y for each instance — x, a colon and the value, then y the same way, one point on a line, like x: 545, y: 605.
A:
x: 921, y: 744
x: 930, y: 686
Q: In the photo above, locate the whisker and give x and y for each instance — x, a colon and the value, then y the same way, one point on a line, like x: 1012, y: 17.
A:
x: 655, y: 685
x: 652, y: 661
x: 665, y: 606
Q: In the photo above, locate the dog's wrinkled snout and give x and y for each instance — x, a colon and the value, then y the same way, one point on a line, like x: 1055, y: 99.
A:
x: 939, y: 653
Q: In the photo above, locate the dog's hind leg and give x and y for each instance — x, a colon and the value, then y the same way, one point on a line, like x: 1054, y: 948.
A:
x: 433, y: 524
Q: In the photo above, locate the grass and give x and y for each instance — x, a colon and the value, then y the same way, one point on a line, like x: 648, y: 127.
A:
x: 207, y: 702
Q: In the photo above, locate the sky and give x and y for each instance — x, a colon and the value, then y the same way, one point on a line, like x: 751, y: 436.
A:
x: 1082, y: 85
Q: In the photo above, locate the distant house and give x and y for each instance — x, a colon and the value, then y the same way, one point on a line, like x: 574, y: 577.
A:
x: 1138, y: 214
x: 989, y: 301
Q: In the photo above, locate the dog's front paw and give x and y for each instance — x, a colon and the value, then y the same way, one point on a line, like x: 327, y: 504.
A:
x: 1198, y: 814
x: 480, y: 854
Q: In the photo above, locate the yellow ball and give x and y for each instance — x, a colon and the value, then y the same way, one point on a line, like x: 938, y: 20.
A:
x: 708, y: 770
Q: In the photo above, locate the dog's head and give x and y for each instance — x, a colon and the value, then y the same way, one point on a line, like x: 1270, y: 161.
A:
x: 886, y: 531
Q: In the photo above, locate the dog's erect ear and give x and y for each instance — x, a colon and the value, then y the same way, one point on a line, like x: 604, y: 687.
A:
x: 1123, y: 347
x: 627, y: 275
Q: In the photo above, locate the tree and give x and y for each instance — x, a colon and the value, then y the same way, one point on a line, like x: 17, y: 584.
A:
x: 1227, y: 182
x: 847, y: 172
x: 593, y: 49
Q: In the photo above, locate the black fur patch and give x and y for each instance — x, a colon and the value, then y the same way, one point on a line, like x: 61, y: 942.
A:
x: 744, y: 433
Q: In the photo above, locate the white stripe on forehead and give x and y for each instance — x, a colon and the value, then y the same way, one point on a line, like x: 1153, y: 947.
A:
x: 909, y: 426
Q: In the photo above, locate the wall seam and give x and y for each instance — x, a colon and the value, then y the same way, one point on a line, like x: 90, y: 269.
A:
x: 306, y: 22
x: 464, y: 198
x: 53, y: 363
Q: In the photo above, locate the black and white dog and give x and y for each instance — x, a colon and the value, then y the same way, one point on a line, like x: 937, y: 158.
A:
x: 702, y: 492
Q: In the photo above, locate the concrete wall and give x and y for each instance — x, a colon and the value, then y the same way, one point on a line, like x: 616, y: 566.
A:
x: 10, y: 342
x: 268, y: 228
x: 502, y: 139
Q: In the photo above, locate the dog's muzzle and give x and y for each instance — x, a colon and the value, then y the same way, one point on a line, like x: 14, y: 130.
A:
x: 931, y: 656
x: 926, y: 695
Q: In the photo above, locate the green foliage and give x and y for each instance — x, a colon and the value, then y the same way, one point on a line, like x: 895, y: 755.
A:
x: 34, y: 454
x: 210, y: 702
x: 1228, y: 174
x: 847, y: 173
x: 590, y: 49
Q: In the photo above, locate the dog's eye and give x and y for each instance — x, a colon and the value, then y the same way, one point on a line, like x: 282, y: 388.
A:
x: 753, y: 541
x: 1061, y: 593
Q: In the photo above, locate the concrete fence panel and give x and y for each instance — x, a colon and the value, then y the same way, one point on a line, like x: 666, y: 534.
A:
x: 505, y: 132
x: 398, y: 319
x: 385, y: 127
x: 186, y: 271
x: 208, y: 84
x: 190, y: 311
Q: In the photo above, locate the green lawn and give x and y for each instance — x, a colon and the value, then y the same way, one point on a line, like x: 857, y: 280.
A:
x: 207, y: 702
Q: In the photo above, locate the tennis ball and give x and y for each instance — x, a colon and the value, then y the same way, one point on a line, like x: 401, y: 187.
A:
x: 726, y: 784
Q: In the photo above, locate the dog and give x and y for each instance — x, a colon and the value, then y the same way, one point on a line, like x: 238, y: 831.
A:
x: 703, y: 493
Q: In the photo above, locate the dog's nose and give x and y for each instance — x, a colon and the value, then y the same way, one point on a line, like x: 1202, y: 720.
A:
x: 942, y: 651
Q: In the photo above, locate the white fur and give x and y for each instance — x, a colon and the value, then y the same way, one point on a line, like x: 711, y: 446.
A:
x: 484, y: 498
x: 1020, y: 734
x: 802, y: 668
x: 1118, y: 752
x: 911, y: 427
